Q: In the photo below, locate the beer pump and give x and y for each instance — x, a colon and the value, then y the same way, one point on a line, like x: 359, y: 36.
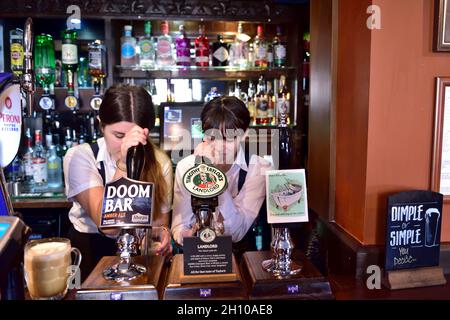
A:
x: 128, y: 241
x: 27, y: 82
x: 205, y: 183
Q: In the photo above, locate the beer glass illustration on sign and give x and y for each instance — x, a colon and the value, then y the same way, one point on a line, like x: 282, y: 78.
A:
x: 432, y: 217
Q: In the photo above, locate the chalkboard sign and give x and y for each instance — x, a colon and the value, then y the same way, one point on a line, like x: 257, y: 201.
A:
x: 413, y: 230
x: 127, y: 203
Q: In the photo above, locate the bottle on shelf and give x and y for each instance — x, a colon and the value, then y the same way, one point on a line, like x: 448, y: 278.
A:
x: 239, y: 49
x: 250, y: 56
x: 238, y: 92
x: 146, y: 48
x: 84, y: 80
x: 164, y: 57
x: 251, y: 102
x: 183, y: 48
x: 128, y: 48
x: 16, y: 48
x: 221, y: 55
x: 54, y: 168
x: 270, y: 103
x: 270, y: 62
x: 279, y: 48
x: 97, y: 70
x: 283, y: 103
x: 70, y: 65
x: 44, y: 62
x: 39, y: 163
x: 260, y: 47
x: 97, y: 60
x: 305, y: 69
x: 202, y: 48
x: 261, y: 103
x: 14, y: 171
x: 27, y: 159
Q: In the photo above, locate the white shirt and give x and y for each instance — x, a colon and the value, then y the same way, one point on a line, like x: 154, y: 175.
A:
x: 239, y: 209
x: 81, y: 173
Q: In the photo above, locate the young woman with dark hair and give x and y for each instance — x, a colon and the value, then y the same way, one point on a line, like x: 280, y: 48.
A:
x: 225, y: 121
x: 126, y: 115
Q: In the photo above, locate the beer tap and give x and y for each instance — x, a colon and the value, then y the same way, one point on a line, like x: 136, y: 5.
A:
x: 128, y: 241
x: 27, y: 82
x: 205, y: 177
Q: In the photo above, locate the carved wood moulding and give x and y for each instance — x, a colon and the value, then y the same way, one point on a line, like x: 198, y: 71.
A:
x: 250, y: 10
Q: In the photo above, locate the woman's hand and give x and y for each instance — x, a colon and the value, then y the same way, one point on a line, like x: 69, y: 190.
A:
x: 206, y: 149
x: 163, y: 246
x: 132, y: 138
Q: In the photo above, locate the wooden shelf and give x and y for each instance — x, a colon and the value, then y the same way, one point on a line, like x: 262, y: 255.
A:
x: 213, y: 73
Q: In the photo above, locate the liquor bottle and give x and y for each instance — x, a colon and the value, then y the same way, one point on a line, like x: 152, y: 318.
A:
x: 44, y: 63
x: 251, y: 101
x: 283, y: 103
x: 70, y: 65
x: 54, y: 169
x: 39, y: 162
x: 97, y: 60
x: 16, y: 45
x: 250, y: 56
x: 183, y: 48
x: 201, y: 48
x: 147, y: 49
x: 127, y: 48
x: 279, y: 47
x: 239, y: 49
x: 75, y: 140
x: 27, y: 159
x: 57, y: 144
x: 232, y: 89
x: 305, y: 69
x: 261, y: 103
x: 270, y: 103
x: 97, y: 69
x: 83, y: 73
x: 93, y: 130
x: 164, y: 56
x: 221, y: 55
x: 239, y: 93
x: 270, y: 62
x: 260, y: 46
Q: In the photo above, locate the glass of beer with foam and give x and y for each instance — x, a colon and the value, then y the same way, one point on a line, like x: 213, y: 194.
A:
x: 48, y: 265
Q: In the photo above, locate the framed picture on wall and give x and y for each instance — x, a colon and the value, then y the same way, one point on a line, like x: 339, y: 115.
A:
x: 442, y: 25
x: 440, y: 175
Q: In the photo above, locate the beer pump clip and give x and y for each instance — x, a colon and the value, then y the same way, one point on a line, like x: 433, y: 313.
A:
x: 129, y: 222
x: 205, y: 183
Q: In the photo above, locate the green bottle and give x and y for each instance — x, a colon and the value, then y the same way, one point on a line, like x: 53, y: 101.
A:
x: 44, y: 61
x: 69, y: 56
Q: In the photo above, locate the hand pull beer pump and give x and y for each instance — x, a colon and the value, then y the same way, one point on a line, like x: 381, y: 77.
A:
x: 27, y: 82
x: 128, y: 241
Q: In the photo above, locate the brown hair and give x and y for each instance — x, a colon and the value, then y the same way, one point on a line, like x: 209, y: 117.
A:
x: 225, y: 113
x: 134, y: 104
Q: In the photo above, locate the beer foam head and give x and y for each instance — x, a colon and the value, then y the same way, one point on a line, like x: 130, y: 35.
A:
x: 48, y: 250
